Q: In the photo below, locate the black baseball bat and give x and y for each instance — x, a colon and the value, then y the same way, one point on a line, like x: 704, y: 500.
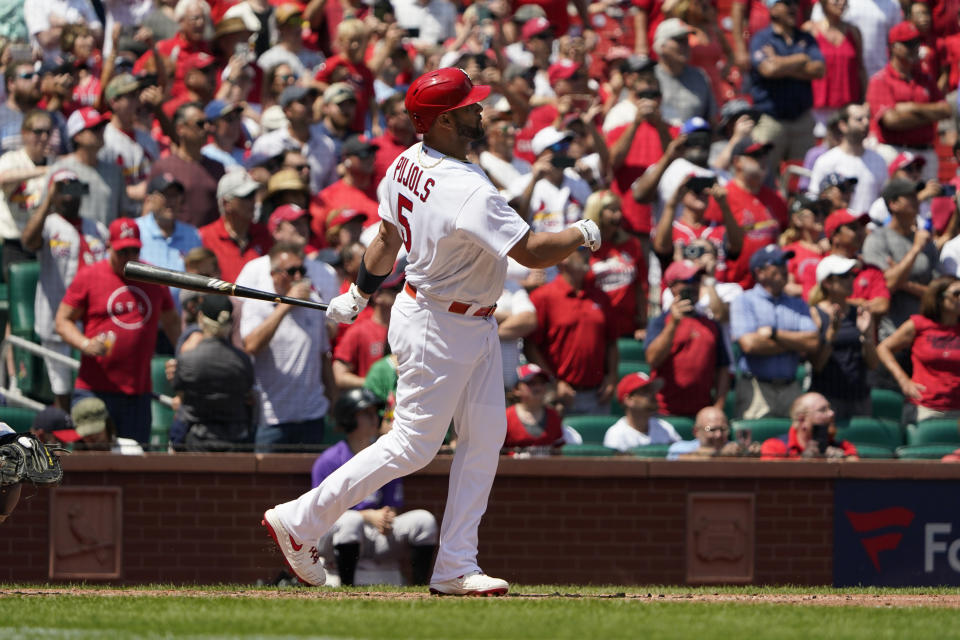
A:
x: 205, y: 284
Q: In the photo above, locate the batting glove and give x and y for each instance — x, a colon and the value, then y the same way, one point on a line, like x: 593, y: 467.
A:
x: 591, y: 233
x: 346, y: 306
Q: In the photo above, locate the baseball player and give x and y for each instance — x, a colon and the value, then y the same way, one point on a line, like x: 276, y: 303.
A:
x: 458, y: 231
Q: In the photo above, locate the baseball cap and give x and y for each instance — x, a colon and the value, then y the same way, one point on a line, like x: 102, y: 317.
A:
x: 163, y: 181
x: 547, y: 137
x: 733, y: 109
x: 219, y: 108
x: 749, y: 147
x: 56, y: 422
x: 842, y: 217
x: 340, y: 217
x: 285, y: 180
x: 637, y: 64
x: 64, y: 175
x: 236, y: 184
x: 527, y: 372
x: 124, y: 234
x: 358, y: 146
x: 900, y: 187
x: 694, y: 124
x: 286, y: 212
x: 680, y: 270
x: 804, y: 201
x: 121, y: 85
x: 903, y: 32
x: 85, y: 118
x: 266, y: 149
x: 636, y: 381
x: 89, y: 416
x: 836, y: 180
x: 904, y: 160
x: 527, y: 12
x: 287, y: 12
x: 198, y: 60
x: 833, y: 265
x: 273, y: 118
x: 217, y: 308
x: 534, y: 27
x: 296, y: 93
x: 668, y: 30
x: 339, y: 92
x: 227, y: 26
x: 770, y: 254
x: 562, y: 70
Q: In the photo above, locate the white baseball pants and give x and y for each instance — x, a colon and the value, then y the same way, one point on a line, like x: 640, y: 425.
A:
x: 449, y: 367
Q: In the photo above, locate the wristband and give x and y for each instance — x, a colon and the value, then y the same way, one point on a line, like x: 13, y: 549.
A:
x: 368, y: 282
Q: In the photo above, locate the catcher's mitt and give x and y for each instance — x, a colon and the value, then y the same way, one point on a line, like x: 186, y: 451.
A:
x: 23, y: 458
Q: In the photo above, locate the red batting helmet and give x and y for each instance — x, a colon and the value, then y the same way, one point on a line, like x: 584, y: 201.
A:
x: 438, y: 92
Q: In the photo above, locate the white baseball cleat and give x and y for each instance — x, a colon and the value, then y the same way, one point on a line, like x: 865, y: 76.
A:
x: 303, y: 562
x: 472, y: 584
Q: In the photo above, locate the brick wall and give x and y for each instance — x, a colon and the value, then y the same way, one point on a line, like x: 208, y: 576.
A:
x: 195, y: 518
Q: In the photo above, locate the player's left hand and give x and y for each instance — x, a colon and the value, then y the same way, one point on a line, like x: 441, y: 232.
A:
x: 347, y: 306
x: 591, y: 233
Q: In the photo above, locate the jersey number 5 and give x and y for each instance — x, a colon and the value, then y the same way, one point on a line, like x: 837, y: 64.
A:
x: 403, y: 203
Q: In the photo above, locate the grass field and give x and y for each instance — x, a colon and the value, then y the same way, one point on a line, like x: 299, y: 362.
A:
x: 545, y: 611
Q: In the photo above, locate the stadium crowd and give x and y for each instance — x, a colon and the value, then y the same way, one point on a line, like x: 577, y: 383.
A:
x: 773, y: 181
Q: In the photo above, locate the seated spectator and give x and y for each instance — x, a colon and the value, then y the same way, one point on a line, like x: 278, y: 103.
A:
x: 812, y: 434
x: 355, y: 190
x: 198, y: 174
x: 226, y: 132
x: 235, y: 238
x: 775, y: 333
x: 373, y: 534
x: 686, y: 89
x: 214, y: 381
x: 531, y: 422
x: 120, y: 321
x: 685, y: 349
x: 930, y: 336
x: 711, y: 439
x: 619, y: 267
x: 21, y: 183
x: 365, y: 341
x: 65, y: 243
x: 804, y: 238
x: 639, y: 426
x: 290, y: 349
x: 96, y: 430
x: 574, y: 342
x: 848, y: 346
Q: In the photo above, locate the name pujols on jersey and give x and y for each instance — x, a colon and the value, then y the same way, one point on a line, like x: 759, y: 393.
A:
x: 407, y: 173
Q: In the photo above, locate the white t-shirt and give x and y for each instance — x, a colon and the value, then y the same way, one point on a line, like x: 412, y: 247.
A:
x: 323, y: 277
x: 874, y: 18
x: 513, y: 300
x: 553, y: 208
x: 36, y: 13
x: 950, y: 258
x: 136, y: 154
x: 436, y: 21
x: 870, y: 170
x: 622, y: 437
x: 502, y: 172
x: 19, y: 199
x: 455, y: 225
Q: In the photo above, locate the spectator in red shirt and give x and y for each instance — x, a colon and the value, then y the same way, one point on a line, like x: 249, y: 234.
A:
x: 932, y: 337
x: 841, y: 44
x: 348, y: 66
x: 686, y: 350
x: 398, y: 136
x: 619, y: 267
x: 928, y: 61
x: 759, y: 210
x: 574, y: 341
x: 805, y: 239
x: 120, y: 321
x: 531, y: 422
x: 906, y: 104
x: 812, y: 434
x: 355, y: 190
x: 234, y: 237
x: 568, y: 80
x: 178, y: 51
x: 365, y: 341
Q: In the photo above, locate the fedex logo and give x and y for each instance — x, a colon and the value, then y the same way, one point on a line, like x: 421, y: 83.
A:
x: 873, y: 521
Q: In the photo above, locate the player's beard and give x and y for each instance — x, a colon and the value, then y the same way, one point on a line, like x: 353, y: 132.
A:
x: 471, y: 133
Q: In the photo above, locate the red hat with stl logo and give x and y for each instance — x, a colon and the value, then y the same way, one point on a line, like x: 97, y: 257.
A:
x: 124, y: 234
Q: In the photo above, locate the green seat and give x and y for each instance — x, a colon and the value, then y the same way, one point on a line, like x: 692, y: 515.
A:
x: 631, y: 349
x: 161, y: 415
x: 762, y: 428
x: 925, y: 451
x: 873, y: 451
x: 935, y: 431
x: 631, y: 366
x: 20, y: 419
x: 682, y: 424
x: 331, y: 435
x: 868, y: 430
x: 886, y: 404
x: 730, y: 405
x: 651, y: 451
x: 586, y: 451
x: 591, y: 428
x: 22, y: 290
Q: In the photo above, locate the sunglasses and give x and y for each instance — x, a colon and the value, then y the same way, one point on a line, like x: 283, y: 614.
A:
x: 27, y: 75
x: 297, y: 167
x: 292, y: 271
x: 40, y: 132
x: 650, y: 94
x: 200, y: 123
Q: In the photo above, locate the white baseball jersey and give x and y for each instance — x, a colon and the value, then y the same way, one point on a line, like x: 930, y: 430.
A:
x: 456, y: 227
x: 553, y: 208
x: 134, y: 152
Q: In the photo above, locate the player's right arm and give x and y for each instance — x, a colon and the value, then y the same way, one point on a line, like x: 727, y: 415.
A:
x: 539, y: 250
x: 382, y: 253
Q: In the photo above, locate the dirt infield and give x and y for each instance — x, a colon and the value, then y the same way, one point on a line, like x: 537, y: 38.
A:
x: 948, y: 601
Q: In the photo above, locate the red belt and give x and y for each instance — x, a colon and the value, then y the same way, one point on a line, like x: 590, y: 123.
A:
x: 456, y: 307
